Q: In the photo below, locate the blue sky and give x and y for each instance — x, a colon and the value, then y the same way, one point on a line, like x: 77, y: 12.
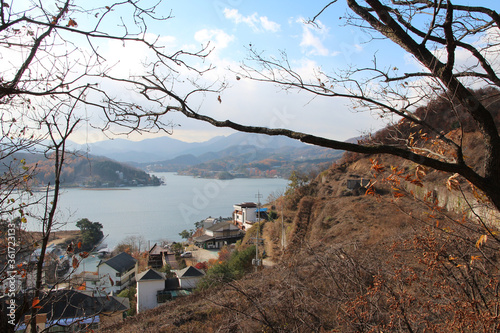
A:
x: 271, y: 26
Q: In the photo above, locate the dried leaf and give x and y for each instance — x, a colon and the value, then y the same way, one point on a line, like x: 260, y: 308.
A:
x: 72, y: 23
x: 35, y: 303
x: 111, y: 281
x: 370, y: 190
x: 219, y: 99
x: 452, y: 183
x: 398, y: 195
x: 481, y: 241
x: 84, y: 254
x: 420, y: 171
x: 474, y: 258
x: 75, y: 263
x: 79, y: 244
x: 417, y: 182
x: 376, y: 166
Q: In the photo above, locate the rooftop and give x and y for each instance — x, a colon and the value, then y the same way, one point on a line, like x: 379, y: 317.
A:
x: 190, y: 271
x: 247, y: 205
x: 150, y: 275
x: 121, y: 262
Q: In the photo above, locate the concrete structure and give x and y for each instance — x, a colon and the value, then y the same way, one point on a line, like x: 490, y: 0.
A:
x: 356, y: 183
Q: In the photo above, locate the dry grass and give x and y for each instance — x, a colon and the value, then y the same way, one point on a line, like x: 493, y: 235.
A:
x: 353, y: 263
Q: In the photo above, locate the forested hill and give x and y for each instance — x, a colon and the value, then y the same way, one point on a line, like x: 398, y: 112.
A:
x: 89, y: 171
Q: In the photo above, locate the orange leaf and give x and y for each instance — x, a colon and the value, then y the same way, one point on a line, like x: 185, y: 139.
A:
x: 219, y: 99
x: 79, y: 244
x: 35, y: 305
x: 111, y: 281
x: 370, y: 191
x: 481, y: 241
x: 72, y: 23
x: 377, y: 167
x: 84, y: 254
x: 473, y: 258
x: 417, y: 182
x: 398, y: 195
x: 75, y: 262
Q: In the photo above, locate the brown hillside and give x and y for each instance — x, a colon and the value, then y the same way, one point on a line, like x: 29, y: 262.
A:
x: 354, y: 262
x: 405, y: 254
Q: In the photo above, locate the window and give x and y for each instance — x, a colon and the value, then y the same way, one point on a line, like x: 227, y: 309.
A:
x: 162, y: 296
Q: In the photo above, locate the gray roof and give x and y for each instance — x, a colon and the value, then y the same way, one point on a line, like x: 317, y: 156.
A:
x: 223, y: 224
x: 190, y: 271
x: 122, y: 262
x: 150, y: 275
x: 247, y: 205
x: 203, y: 238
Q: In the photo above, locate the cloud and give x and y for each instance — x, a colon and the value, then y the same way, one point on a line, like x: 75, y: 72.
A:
x: 311, y: 41
x: 269, y: 25
x: 255, y: 22
x: 217, y: 38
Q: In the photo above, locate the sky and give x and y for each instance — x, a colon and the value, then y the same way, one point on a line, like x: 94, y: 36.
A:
x: 270, y: 27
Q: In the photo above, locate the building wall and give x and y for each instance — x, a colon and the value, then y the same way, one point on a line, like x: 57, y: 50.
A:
x: 104, y: 286
x: 119, y: 282
x: 146, y: 294
x: 247, y: 214
x: 189, y: 282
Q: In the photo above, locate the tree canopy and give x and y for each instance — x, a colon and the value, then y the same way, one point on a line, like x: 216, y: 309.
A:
x: 91, y: 233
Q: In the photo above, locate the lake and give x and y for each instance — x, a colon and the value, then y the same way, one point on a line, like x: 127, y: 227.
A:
x: 161, y: 212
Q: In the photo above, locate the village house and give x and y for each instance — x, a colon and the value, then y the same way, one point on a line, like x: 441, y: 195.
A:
x: 154, y: 288
x: 116, y: 273
x: 246, y: 214
x: 217, y: 234
x: 157, y: 256
x: 76, y: 311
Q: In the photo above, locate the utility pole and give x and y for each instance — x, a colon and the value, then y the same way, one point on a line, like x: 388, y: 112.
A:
x: 257, y: 262
x: 282, y: 230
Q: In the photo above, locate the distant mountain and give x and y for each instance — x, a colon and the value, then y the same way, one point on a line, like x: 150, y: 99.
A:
x: 167, y: 148
x: 88, y: 171
x: 249, y: 161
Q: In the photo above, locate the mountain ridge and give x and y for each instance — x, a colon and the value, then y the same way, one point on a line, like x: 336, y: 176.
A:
x: 165, y: 148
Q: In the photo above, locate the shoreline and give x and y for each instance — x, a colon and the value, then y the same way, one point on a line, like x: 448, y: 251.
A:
x: 104, y: 189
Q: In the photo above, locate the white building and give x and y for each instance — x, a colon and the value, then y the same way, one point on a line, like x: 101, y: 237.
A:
x: 189, y: 277
x: 245, y: 215
x: 116, y: 273
x: 153, y: 288
x: 148, y: 284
